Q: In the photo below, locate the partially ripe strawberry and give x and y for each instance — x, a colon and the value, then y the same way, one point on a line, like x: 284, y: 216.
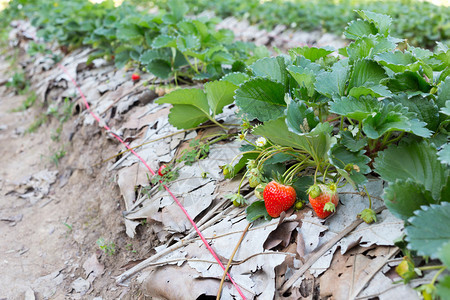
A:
x: 162, y: 171
x: 278, y: 198
x: 323, y: 199
x: 135, y: 77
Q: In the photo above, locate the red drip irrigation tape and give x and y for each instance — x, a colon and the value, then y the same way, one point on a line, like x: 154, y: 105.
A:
x: 153, y: 173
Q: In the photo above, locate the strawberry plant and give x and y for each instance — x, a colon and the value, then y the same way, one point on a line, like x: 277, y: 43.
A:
x: 422, y: 23
x: 325, y: 121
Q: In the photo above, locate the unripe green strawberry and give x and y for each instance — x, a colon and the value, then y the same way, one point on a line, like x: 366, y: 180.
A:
x: 324, y: 202
x: 254, y: 177
x: 406, y: 269
x: 299, y: 205
x: 259, y: 191
x: 278, y: 198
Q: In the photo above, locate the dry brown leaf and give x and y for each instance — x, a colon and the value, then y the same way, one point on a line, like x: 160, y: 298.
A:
x: 348, y: 272
x: 280, y: 236
x: 172, y: 282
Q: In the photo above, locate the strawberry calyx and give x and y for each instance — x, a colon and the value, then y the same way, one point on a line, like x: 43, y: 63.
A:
x: 368, y: 215
x: 314, y: 191
x: 329, y: 206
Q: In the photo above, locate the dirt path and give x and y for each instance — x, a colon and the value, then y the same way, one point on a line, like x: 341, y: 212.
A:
x: 48, y: 246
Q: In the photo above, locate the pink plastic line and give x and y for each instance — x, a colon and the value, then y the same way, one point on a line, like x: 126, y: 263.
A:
x: 153, y: 173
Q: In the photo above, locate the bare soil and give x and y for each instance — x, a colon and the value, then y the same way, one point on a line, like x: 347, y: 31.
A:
x: 44, y: 245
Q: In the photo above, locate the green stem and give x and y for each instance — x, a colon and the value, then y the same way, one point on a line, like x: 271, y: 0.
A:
x: 290, y: 173
x: 325, y: 173
x: 437, y: 275
x: 368, y: 196
x: 315, y: 175
x: 240, y: 183
x: 341, y: 127
x: 218, y: 124
x: 360, y: 129
x: 320, y: 113
x: 396, y: 139
x: 190, y: 64
x: 242, y: 153
x: 427, y: 268
x: 386, y: 137
x: 250, y: 143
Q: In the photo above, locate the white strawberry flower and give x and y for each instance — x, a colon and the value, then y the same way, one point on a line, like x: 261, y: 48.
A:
x: 261, y: 141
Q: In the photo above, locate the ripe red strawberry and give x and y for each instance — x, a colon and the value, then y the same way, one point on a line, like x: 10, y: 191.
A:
x: 278, y: 198
x: 162, y: 171
x: 323, y: 199
x: 135, y: 77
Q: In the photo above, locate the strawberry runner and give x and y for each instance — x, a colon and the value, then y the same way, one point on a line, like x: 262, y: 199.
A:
x: 153, y: 173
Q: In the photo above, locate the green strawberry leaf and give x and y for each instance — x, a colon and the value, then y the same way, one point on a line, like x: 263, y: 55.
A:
x: 417, y: 161
x: 160, y: 68
x: 164, y: 41
x: 443, y: 288
x: 340, y: 157
x: 366, y: 73
x: 219, y: 94
x: 178, y: 9
x: 148, y: 55
x: 301, y: 186
x: 352, y: 144
x: 236, y: 78
x: 304, y: 77
x: 121, y: 59
x: 409, y: 82
x: 429, y: 229
x: 243, y: 160
x: 188, y: 28
x: 426, y: 110
x: 446, y: 109
x: 444, y: 154
x: 128, y: 32
x: 398, y: 61
x: 374, y: 90
x: 261, y: 98
x: 190, y: 107
x: 305, y: 63
x: 444, y: 94
x: 332, y: 84
x: 357, y: 109
x: 403, y: 197
x: 352, y: 165
x: 257, y: 210
x: 186, y: 116
x: 188, y: 42
x: 311, y: 53
x: 381, y: 21
x: 369, y: 46
x: 444, y: 254
x: 299, y: 118
x: 316, y: 143
x: 393, y: 118
x: 271, y: 67
x: 359, y: 28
